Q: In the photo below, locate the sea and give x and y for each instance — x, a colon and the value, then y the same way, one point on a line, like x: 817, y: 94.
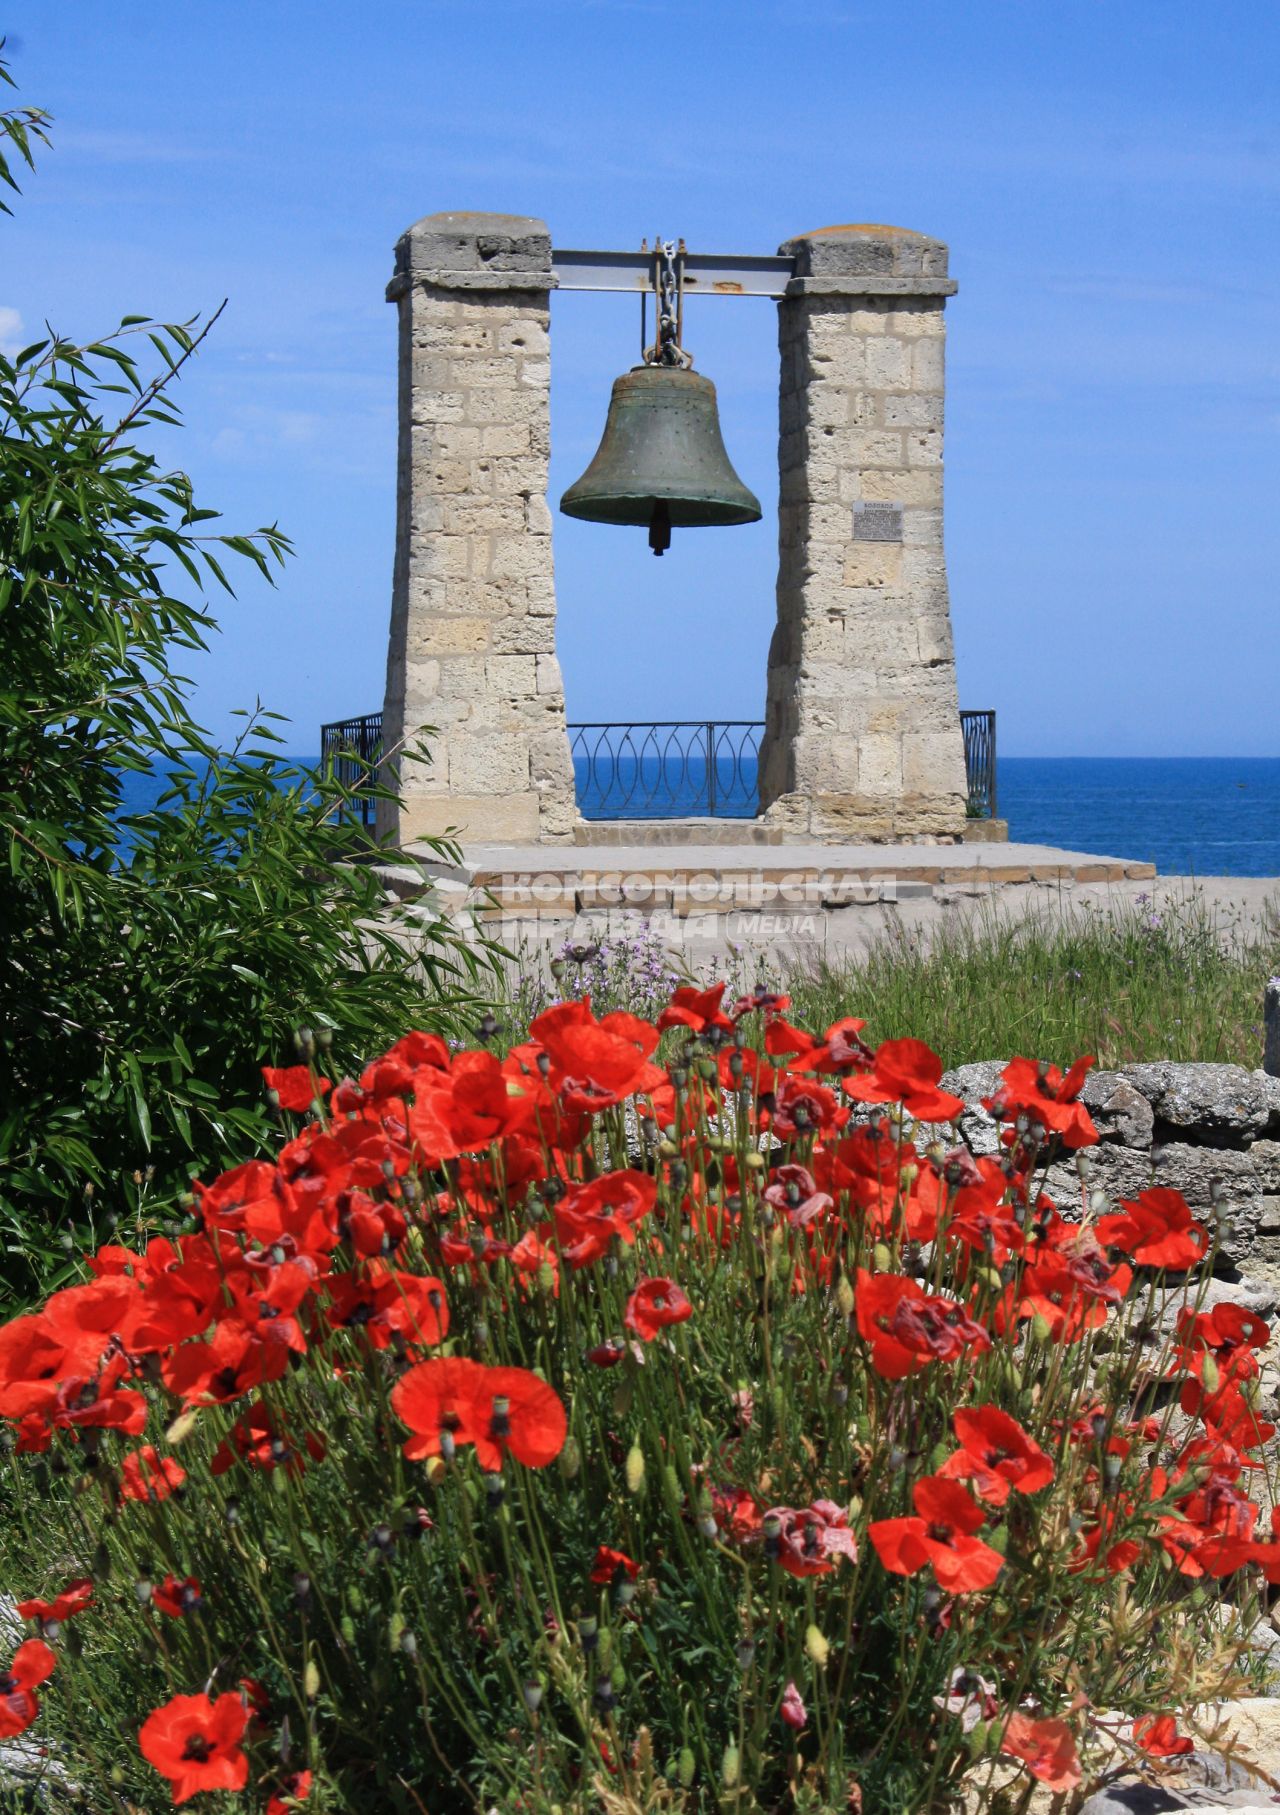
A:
x: 1190, y: 816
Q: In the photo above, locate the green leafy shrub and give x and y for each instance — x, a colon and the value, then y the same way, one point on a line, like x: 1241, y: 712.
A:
x: 151, y: 963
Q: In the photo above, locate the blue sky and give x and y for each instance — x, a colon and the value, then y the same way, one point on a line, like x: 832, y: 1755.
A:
x: 1107, y: 173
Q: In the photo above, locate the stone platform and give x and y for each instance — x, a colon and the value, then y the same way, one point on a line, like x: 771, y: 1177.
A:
x: 540, y: 882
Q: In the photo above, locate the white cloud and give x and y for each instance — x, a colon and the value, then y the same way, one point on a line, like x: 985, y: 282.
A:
x: 10, y: 331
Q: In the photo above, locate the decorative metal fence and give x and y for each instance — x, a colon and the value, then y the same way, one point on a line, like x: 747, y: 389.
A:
x: 671, y: 769
x: 663, y: 769
x: 348, y: 751
x: 979, y: 730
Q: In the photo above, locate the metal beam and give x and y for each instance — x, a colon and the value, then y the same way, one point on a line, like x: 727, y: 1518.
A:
x: 705, y: 273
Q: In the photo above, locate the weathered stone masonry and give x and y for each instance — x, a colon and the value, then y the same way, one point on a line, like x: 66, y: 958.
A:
x: 862, y: 736
x: 472, y: 650
x: 862, y: 733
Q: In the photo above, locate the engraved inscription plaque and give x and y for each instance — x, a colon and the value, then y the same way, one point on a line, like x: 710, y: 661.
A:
x: 877, y: 522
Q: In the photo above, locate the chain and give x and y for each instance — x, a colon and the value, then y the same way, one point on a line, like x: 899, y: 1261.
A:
x: 666, y: 350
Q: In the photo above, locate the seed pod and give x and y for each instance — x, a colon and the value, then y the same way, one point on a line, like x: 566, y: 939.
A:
x: 532, y: 1692
x: 687, y: 1768
x: 635, y: 1469
x: 816, y: 1647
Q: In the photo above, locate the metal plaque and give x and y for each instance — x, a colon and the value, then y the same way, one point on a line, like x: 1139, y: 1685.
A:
x: 877, y: 522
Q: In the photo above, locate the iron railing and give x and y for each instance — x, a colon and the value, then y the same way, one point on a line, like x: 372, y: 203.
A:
x: 349, y: 751
x: 979, y: 729
x: 668, y: 769
x: 662, y: 769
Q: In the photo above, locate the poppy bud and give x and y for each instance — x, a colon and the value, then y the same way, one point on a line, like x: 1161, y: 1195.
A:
x: 605, y: 1697
x: 882, y: 1257
x: 311, y: 1680
x: 301, y: 1587
x: 532, y: 1695
x: 730, y: 1765
x: 1209, y: 1373
x: 1041, y: 1327
x: 231, y: 1512
x: 570, y: 1459
x: 707, y: 1526
x: 347, y: 1627
x: 816, y: 1647
x: 755, y: 1161
x: 622, y: 1397
x: 395, y: 1630
x: 687, y: 1767
x: 745, y: 1653
x: 635, y: 1469
x: 304, y: 1041
x: 142, y: 1588
x: 844, y: 1296
x: 618, y: 1678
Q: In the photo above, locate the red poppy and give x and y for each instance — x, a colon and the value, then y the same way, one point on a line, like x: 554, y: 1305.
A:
x: 653, y: 1305
x: 793, y: 1710
x: 146, y: 1476
x: 697, y: 1009
x: 75, y: 1597
x: 810, y: 1541
x: 996, y: 1455
x: 32, y: 1664
x: 291, y: 1792
x: 450, y: 1401
x: 1044, y: 1094
x: 907, y: 1072
x: 216, y: 1372
x: 802, y: 1108
x: 781, y: 1038
x: 257, y: 1439
x: 177, y: 1597
x: 467, y: 1108
x: 195, y: 1743
x: 792, y: 1189
x: 388, y: 1305
x: 613, y: 1566
x: 1229, y: 1333
x: 908, y: 1328
x: 297, y: 1086
x: 593, y: 1064
x: 1156, y: 1229
x: 1046, y: 1747
x: 589, y: 1217
x: 941, y: 1535
x: 1158, y: 1734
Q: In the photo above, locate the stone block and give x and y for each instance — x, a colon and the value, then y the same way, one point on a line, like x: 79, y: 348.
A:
x: 439, y: 636
x: 927, y: 365
x: 889, y: 364
x: 1222, y: 1104
x: 512, y: 676
x: 873, y: 564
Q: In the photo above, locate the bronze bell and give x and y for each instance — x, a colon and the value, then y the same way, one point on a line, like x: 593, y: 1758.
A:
x: 661, y: 460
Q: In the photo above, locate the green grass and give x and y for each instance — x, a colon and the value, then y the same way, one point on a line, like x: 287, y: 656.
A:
x: 1126, y: 984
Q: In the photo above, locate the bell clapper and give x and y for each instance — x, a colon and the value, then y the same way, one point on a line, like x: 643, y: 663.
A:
x: 660, y: 527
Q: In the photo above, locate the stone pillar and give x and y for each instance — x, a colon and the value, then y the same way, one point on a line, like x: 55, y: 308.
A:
x: 862, y: 735
x: 472, y: 650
